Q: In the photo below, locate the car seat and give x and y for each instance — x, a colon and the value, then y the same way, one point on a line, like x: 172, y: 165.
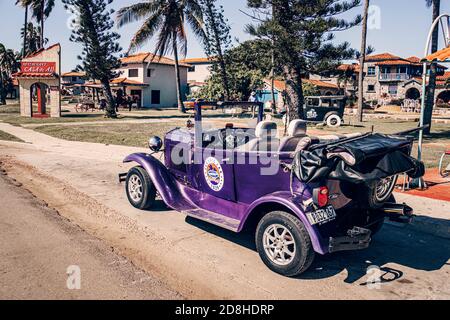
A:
x: 266, y: 138
x: 295, y: 133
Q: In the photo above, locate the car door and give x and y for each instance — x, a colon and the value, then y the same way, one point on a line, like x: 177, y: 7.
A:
x: 216, y: 174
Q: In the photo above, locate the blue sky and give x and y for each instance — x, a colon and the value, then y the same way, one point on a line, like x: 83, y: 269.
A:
x: 403, y: 28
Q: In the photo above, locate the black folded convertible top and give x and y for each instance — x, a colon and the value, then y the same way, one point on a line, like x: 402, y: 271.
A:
x: 367, y: 158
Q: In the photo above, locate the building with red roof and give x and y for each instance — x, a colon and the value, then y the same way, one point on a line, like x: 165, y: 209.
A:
x: 152, y: 79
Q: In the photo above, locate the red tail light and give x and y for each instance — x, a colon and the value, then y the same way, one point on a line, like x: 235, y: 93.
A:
x: 320, y: 196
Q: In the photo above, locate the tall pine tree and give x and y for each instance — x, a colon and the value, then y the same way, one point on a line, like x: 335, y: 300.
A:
x: 100, y: 47
x: 218, y: 39
x: 303, y: 34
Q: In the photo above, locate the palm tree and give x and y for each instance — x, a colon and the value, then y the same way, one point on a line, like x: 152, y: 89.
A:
x: 33, y: 38
x: 428, y: 112
x: 25, y: 4
x: 362, y: 59
x: 41, y: 10
x: 8, y: 65
x: 166, y: 20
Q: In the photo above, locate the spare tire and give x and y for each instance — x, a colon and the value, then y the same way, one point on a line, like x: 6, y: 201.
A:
x: 382, y: 192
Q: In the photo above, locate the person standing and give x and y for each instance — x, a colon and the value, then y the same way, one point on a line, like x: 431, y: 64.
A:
x: 130, y: 103
x: 253, y: 98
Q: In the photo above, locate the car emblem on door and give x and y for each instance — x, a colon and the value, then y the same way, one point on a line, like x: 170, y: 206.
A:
x: 213, y: 173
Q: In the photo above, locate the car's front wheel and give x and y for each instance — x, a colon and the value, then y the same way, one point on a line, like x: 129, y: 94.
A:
x: 284, y: 244
x: 140, y: 189
x: 333, y: 121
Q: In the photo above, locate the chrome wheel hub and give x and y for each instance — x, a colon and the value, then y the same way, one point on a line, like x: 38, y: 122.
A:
x: 279, y: 244
x: 135, y: 189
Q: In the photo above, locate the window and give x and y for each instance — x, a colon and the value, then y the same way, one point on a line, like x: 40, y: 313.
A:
x: 313, y: 101
x: 371, y: 88
x: 191, y: 69
x: 133, y: 73
x: 156, y: 97
x: 371, y: 71
x: 393, y: 89
x: 150, y: 72
x: 74, y: 79
x: 401, y: 69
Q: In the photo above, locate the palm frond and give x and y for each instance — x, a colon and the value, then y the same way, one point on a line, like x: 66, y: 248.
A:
x: 137, y: 12
x: 146, y: 31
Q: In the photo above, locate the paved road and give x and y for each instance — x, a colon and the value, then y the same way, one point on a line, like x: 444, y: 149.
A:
x: 202, y: 261
x: 37, y: 246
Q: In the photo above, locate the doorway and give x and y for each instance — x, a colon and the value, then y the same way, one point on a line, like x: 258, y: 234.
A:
x: 137, y: 96
x: 39, y: 99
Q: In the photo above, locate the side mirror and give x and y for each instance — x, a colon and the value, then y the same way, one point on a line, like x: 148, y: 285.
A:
x: 155, y: 143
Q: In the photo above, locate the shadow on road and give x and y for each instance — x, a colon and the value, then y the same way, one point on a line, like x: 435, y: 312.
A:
x: 406, y: 248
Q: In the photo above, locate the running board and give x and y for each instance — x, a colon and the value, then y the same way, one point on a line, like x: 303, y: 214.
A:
x: 214, y: 218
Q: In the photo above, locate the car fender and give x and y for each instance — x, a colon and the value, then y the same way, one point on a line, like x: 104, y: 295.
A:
x: 165, y: 183
x: 283, y: 198
x: 331, y: 113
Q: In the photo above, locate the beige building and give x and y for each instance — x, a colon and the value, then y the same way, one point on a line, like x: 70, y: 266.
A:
x: 198, y: 73
x: 40, y: 83
x: 388, y: 78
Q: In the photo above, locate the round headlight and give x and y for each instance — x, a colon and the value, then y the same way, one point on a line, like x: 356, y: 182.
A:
x: 155, y: 143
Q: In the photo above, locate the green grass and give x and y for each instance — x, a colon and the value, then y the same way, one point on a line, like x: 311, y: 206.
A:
x: 13, y: 108
x: 135, y: 135
x: 9, y: 137
x: 71, y: 117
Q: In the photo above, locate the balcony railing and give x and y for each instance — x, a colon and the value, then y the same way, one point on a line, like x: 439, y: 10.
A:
x: 394, y: 76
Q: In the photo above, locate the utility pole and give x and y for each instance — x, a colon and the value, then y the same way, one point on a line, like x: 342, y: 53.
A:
x: 362, y: 59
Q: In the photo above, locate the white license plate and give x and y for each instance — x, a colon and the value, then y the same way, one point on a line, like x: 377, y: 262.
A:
x: 321, y: 216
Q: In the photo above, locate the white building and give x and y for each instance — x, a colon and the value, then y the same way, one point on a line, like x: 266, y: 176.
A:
x: 152, y: 78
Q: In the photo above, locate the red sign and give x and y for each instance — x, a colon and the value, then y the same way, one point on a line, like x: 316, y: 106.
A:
x: 38, y: 67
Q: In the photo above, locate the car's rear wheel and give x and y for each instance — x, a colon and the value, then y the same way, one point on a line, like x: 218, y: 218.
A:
x: 140, y: 189
x: 284, y: 244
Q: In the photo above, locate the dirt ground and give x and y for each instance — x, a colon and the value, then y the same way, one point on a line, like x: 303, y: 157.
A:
x: 38, y: 246
x: 202, y: 261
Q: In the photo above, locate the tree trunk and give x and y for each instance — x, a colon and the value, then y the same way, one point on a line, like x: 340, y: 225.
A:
x: 294, y: 93
x: 2, y: 89
x: 177, y: 76
x: 272, y: 85
x: 361, y: 62
x: 272, y: 71
x: 223, y: 70
x: 431, y: 88
x: 42, y: 24
x: 25, y: 33
x: 111, y: 104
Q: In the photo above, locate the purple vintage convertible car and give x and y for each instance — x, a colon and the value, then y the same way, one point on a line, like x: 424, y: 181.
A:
x: 300, y: 194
